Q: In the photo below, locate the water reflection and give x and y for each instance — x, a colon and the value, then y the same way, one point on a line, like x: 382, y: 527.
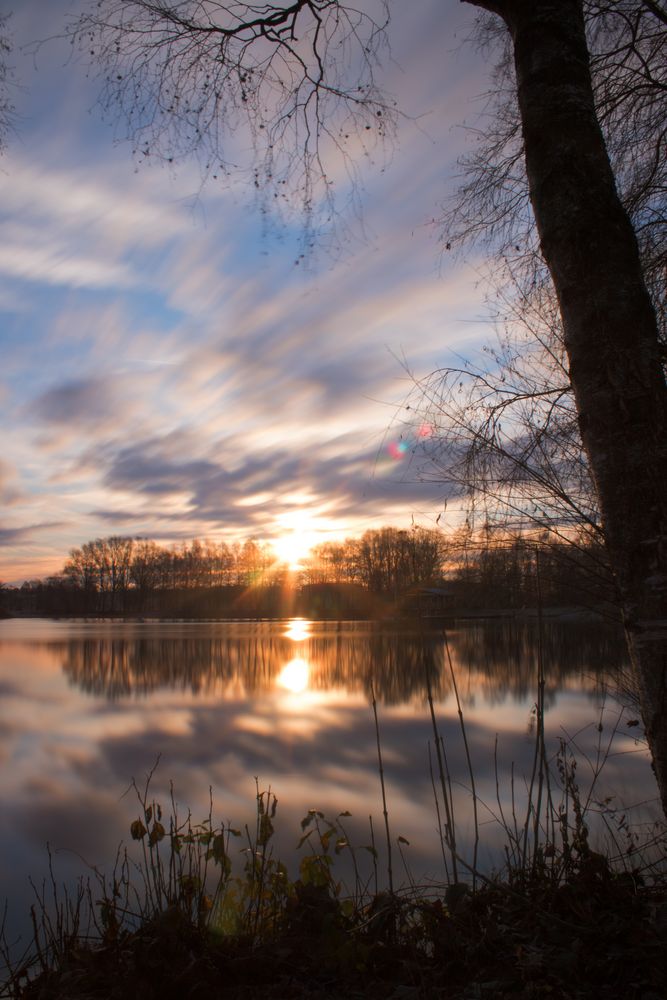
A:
x: 494, y: 661
x: 298, y: 629
x: 87, y: 705
x: 294, y: 676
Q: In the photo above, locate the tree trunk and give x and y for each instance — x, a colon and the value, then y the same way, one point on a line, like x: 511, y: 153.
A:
x: 609, y: 326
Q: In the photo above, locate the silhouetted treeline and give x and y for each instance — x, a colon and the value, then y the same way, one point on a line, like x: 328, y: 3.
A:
x: 385, y: 572
x: 386, y: 561
x: 466, y: 570
x: 517, y: 571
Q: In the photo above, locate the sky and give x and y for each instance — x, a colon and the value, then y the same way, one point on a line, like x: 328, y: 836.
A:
x: 169, y: 370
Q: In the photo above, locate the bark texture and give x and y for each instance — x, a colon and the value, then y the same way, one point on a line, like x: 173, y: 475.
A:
x: 609, y: 325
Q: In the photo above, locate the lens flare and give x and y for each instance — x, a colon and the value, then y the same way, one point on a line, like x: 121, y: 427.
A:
x: 397, y: 449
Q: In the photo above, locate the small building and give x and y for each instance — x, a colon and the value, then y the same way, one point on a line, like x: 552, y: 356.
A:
x: 432, y: 601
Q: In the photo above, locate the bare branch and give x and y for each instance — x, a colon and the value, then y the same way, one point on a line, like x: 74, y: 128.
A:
x: 281, y: 95
x: 629, y: 68
x: 656, y: 10
x: 7, y: 112
x: 506, y: 435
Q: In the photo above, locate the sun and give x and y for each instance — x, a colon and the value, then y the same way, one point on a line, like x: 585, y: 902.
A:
x: 298, y: 531
x: 293, y: 548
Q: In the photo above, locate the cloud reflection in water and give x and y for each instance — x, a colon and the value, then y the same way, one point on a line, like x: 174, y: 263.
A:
x: 89, y: 705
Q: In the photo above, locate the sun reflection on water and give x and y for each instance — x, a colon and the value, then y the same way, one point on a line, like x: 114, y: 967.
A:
x: 298, y: 629
x: 294, y: 676
x: 86, y: 704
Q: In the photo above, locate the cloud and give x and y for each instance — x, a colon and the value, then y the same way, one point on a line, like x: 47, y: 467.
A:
x: 9, y: 492
x: 79, y: 403
x: 74, y: 200
x: 83, y: 229
x: 10, y: 536
x: 149, y: 472
x: 214, y: 489
x: 55, y: 262
x: 24, y: 534
x: 121, y: 516
x: 183, y: 374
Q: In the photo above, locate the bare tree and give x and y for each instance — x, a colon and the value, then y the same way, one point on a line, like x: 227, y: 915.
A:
x: 502, y: 435
x: 609, y: 324
x: 384, y: 560
x: 507, y: 433
x: 628, y: 66
x: 145, y: 565
x: 300, y: 78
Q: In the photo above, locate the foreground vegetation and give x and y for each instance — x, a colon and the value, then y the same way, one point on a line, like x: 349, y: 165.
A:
x: 569, y: 923
x: 204, y: 910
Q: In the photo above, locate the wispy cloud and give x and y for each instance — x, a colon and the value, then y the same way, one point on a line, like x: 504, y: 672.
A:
x: 9, y: 489
x: 170, y: 370
x: 81, y: 402
x: 53, y: 262
x: 14, y: 536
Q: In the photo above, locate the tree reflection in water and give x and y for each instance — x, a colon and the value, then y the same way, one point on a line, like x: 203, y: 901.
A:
x: 494, y: 659
x: 88, y: 704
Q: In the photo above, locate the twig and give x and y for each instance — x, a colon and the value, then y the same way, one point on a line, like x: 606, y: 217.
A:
x: 390, y: 876
x: 467, y: 752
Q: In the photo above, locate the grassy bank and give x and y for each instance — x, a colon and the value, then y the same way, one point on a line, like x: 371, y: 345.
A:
x: 201, y: 911
x: 592, y: 936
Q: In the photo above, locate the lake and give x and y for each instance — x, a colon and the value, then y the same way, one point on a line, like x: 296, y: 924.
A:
x: 87, y: 705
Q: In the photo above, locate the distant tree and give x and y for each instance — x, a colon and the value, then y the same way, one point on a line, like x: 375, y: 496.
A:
x: 491, y: 569
x: 330, y: 562
x: 119, y: 560
x: 384, y: 560
x: 146, y: 565
x: 253, y: 562
x: 82, y: 570
x: 218, y: 562
x: 103, y: 566
x: 393, y: 561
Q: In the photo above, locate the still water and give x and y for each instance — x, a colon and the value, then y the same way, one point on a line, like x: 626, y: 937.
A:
x: 88, y: 705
